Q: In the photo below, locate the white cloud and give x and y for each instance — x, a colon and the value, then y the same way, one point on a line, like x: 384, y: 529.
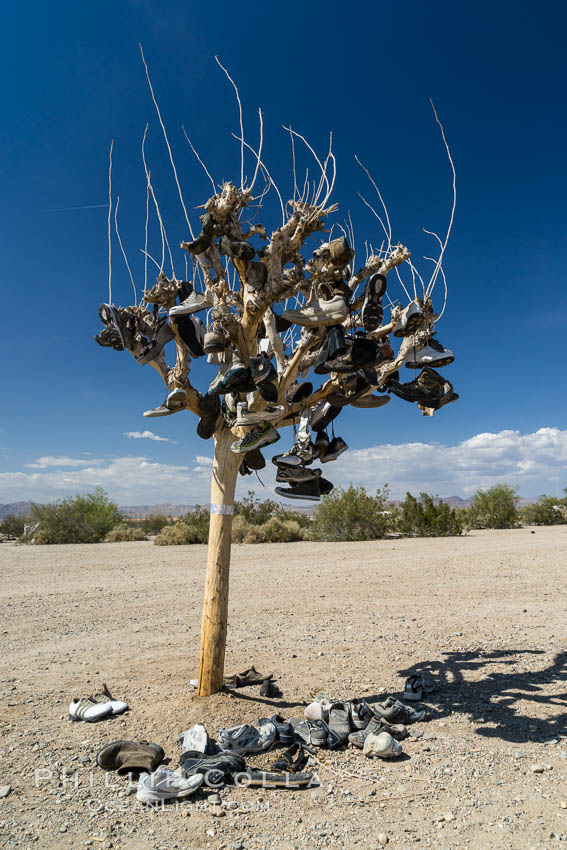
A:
x: 532, y: 461
x: 47, y: 462
x: 145, y: 435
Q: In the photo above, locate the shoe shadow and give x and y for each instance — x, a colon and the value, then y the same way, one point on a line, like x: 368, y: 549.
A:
x: 501, y: 697
x: 276, y: 702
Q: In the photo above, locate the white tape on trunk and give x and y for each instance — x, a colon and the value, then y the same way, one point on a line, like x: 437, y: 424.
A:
x: 225, y: 510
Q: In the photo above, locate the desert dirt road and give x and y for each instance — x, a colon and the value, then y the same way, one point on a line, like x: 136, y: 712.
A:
x: 485, y: 615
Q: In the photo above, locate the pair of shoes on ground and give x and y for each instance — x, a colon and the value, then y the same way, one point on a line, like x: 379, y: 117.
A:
x: 246, y: 678
x: 96, y: 707
x: 246, y: 738
x: 286, y: 771
x: 418, y: 684
x: 173, y: 403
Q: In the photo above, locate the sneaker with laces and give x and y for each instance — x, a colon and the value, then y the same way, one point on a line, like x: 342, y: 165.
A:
x: 167, y: 784
x: 382, y: 746
x: 117, y: 706
x: 301, y: 454
x: 309, y: 490
x: 88, y: 710
x: 375, y: 726
x: 205, y: 237
x: 252, y: 417
x: 193, y: 304
x: 336, y: 448
x: 263, y: 435
x: 319, y: 313
x: 295, y: 474
x: 433, y: 354
x: 372, y: 310
x: 410, y: 320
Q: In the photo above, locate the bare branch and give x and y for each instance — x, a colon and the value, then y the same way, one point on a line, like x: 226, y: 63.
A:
x: 219, y: 63
x: 205, y: 169
x: 146, y: 236
x: 109, y: 219
x: 122, y: 249
x: 452, y: 217
x: 370, y: 177
x: 167, y: 142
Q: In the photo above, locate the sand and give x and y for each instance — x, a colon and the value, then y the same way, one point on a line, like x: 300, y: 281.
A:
x: 484, y: 614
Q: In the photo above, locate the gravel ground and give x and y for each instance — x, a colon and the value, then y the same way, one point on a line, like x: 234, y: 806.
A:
x: 484, y: 614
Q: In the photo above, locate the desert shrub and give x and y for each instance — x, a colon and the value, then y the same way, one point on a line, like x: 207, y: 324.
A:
x: 494, y: 508
x: 81, y: 519
x: 240, y: 528
x: 12, y: 527
x: 254, y: 511
x: 423, y: 518
x: 352, y: 514
x: 281, y: 530
x: 153, y: 523
x: 179, y: 534
x: 548, y: 511
x: 123, y: 533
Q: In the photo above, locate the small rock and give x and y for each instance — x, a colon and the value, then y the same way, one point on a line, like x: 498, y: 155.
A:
x: 5, y: 790
x: 238, y: 845
x: 68, y: 771
x: 449, y: 816
x: 210, y: 833
x: 538, y: 768
x: 382, y: 839
x: 563, y: 804
x: 214, y: 799
x: 62, y: 829
x: 217, y: 811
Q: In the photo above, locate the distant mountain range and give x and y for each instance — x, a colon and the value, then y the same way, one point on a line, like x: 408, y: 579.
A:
x: 141, y: 511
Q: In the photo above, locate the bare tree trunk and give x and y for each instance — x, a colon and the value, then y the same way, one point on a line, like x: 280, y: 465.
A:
x: 215, y: 604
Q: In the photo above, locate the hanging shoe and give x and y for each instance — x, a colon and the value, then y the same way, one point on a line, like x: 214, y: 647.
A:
x: 301, y: 454
x: 193, y: 304
x: 337, y: 447
x: 263, y: 435
x: 253, y: 417
x: 363, y: 352
x: 215, y: 340
x: 321, y: 444
x: 299, y: 392
x: 372, y: 310
x: 319, y: 313
x: 410, y: 320
x: 308, y: 490
x: 296, y: 474
x: 262, y: 370
x: 333, y: 346
x: 367, y: 401
x: 192, y: 332
x: 268, y: 391
x: 322, y: 415
x: 209, y: 409
x: 205, y: 237
x: 433, y: 354
x: 255, y: 460
x: 112, y: 335
x: 162, y: 335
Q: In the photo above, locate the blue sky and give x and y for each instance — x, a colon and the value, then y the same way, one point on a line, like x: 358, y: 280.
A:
x: 74, y: 81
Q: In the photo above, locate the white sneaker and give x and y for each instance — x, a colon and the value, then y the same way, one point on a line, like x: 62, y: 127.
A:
x: 251, y: 417
x: 196, y: 301
x: 166, y: 784
x: 118, y: 706
x: 88, y: 710
x: 319, y: 313
x: 382, y: 745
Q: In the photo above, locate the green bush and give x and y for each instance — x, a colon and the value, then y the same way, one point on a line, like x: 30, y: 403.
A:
x: 123, y: 533
x: 494, y: 508
x: 275, y: 530
x: 352, y: 514
x: 153, y: 523
x: 548, y: 511
x: 12, y: 526
x: 423, y: 518
x: 82, y: 519
x: 183, y: 533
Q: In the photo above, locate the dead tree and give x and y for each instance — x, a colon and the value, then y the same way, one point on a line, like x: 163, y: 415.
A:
x: 245, y: 289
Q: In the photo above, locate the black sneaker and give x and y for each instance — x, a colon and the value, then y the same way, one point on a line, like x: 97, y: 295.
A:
x: 362, y: 352
x: 299, y: 392
x: 162, y: 335
x: 372, y: 310
x: 209, y: 408
x: 325, y: 486
x: 262, y: 369
x: 433, y: 354
x: 336, y: 448
x: 296, y: 474
x: 205, y: 237
x: 321, y: 444
x: 300, y: 455
x: 192, y: 332
x: 255, y: 459
x: 239, y: 250
x: 323, y: 415
x: 268, y: 391
x: 308, y: 490
x: 112, y: 336
x: 333, y: 346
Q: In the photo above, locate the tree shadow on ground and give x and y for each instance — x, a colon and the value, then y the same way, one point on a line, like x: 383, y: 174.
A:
x: 499, y: 698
